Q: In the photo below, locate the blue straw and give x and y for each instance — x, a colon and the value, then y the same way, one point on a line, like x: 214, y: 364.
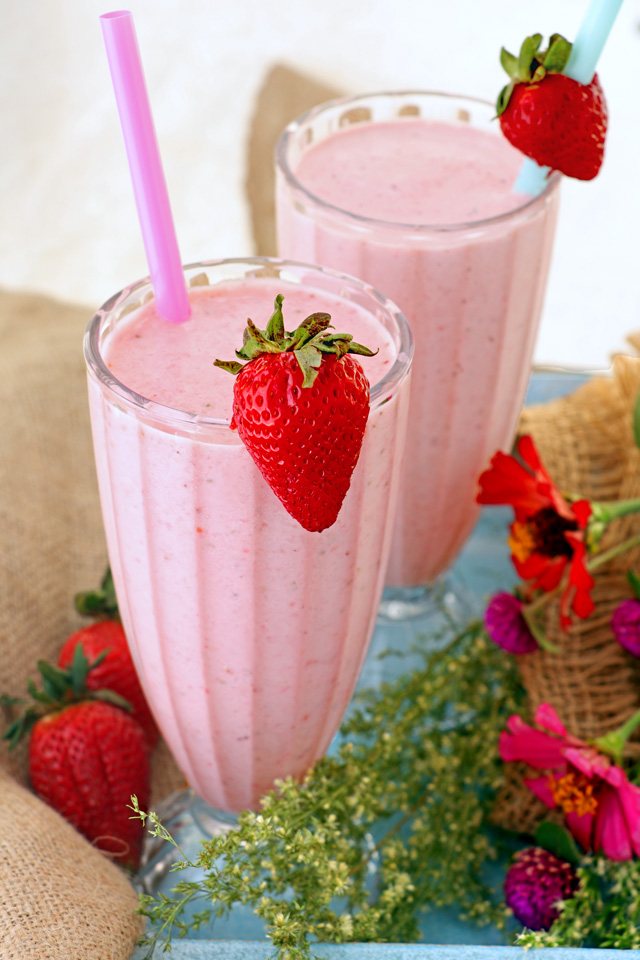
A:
x: 585, y: 52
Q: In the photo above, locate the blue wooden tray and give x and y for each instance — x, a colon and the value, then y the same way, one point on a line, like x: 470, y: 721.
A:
x: 482, y: 567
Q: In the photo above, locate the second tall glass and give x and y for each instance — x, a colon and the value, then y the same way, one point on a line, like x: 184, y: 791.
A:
x: 472, y: 292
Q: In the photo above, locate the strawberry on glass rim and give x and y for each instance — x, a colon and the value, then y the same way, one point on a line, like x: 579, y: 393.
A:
x: 300, y: 406
x: 554, y: 120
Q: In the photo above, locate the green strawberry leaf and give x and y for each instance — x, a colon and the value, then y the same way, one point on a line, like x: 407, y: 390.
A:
x: 636, y: 421
x: 275, y: 327
x: 231, y: 366
x: 361, y: 350
x: 527, y: 57
x: 503, y: 98
x: 55, y: 681
x: 20, y: 727
x: 509, y: 63
x: 6, y: 701
x: 94, y: 603
x: 309, y: 359
x: 110, y: 696
x: 634, y: 581
x: 41, y: 696
x: 255, y: 343
x: 557, y: 56
x: 80, y: 667
x: 557, y: 840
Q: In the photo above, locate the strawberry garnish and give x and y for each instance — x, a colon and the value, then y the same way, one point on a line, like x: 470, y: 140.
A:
x: 87, y: 756
x: 300, y: 406
x: 551, y: 118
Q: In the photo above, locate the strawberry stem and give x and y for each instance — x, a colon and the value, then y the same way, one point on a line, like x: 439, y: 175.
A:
x: 308, y: 342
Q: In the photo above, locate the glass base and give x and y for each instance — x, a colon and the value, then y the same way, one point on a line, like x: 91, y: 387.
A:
x: 447, y: 601
x: 189, y: 820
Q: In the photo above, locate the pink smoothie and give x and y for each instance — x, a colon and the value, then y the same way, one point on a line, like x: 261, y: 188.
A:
x: 248, y: 631
x: 424, y: 209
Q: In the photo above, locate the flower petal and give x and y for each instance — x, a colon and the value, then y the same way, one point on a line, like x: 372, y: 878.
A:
x: 545, y: 571
x: 582, y: 512
x: 540, y: 786
x: 629, y: 797
x: 610, y: 833
x: 507, y: 482
x: 587, y: 760
x: 581, y: 827
x: 582, y: 605
x: 527, y: 450
x: 537, y: 749
x: 547, y: 718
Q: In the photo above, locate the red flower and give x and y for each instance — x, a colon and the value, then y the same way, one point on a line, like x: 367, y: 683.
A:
x: 547, y: 535
x: 601, y: 807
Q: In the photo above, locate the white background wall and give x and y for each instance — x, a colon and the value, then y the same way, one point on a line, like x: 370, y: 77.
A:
x: 67, y: 218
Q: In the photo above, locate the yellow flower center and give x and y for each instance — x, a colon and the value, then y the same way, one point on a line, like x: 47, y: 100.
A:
x: 574, y: 793
x: 522, y: 541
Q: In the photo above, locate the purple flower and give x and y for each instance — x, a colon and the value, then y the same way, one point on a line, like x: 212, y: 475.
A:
x: 625, y: 624
x: 535, y: 883
x: 506, y: 625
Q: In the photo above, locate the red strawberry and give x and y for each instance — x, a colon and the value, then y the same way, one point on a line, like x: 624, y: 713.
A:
x: 300, y: 406
x: 86, y: 761
x: 86, y: 757
x: 551, y: 118
x: 115, y: 672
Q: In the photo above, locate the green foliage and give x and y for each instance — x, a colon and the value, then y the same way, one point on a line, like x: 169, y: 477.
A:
x: 407, y: 793
x: 605, y: 911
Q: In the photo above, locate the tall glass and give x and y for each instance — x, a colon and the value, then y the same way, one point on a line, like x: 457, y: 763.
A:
x: 473, y: 294
x: 248, y: 632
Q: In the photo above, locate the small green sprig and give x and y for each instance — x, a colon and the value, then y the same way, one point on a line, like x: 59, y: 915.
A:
x: 409, y: 790
x: 604, y: 912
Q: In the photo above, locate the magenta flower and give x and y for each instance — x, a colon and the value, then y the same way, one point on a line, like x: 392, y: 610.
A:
x: 506, y: 625
x: 625, y: 624
x: 601, y: 807
x: 535, y: 884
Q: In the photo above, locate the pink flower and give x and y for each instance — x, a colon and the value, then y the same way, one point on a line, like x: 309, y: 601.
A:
x: 601, y: 807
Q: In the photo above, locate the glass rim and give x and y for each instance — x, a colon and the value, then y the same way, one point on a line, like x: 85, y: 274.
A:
x: 379, y: 392
x: 282, y: 164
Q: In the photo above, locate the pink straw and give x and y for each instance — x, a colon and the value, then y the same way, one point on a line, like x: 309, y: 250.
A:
x: 149, y: 186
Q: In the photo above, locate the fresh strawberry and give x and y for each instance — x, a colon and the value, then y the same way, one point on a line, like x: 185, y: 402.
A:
x: 115, y: 672
x: 86, y: 757
x: 551, y: 118
x: 300, y: 406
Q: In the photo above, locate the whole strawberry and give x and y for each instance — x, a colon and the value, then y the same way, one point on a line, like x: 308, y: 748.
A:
x: 549, y: 117
x: 115, y: 671
x: 86, y: 757
x: 300, y: 406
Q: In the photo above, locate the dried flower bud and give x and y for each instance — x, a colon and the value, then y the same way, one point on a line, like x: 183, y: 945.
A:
x: 625, y: 624
x: 534, y: 886
x: 506, y: 625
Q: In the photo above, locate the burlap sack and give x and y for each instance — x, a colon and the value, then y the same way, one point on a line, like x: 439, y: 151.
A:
x: 586, y: 443
x: 60, y: 899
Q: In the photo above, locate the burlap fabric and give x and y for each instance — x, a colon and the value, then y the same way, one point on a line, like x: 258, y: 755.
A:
x: 59, y: 897
x: 586, y: 443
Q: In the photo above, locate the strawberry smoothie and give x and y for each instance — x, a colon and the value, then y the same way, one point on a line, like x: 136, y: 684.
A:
x: 413, y: 192
x: 248, y: 632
